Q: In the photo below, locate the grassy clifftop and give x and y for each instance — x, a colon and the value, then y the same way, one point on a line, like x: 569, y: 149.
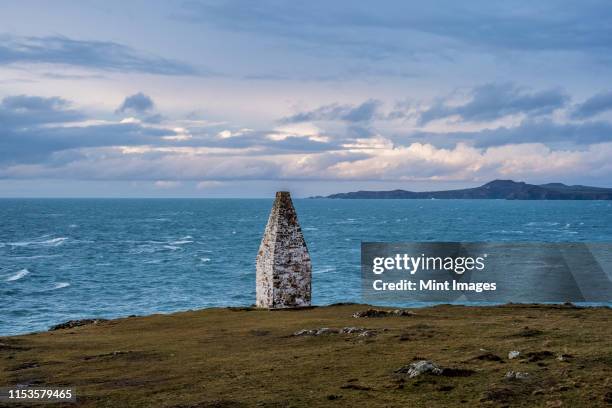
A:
x: 244, y: 358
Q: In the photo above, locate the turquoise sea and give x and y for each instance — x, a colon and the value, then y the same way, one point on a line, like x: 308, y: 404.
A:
x: 63, y: 259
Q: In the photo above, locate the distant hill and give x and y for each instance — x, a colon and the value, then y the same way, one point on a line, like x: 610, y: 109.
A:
x: 497, y: 189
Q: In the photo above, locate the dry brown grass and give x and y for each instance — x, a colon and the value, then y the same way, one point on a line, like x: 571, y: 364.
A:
x: 235, y: 358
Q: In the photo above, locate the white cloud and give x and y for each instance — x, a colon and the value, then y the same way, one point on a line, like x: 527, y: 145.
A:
x: 209, y: 184
x: 226, y: 134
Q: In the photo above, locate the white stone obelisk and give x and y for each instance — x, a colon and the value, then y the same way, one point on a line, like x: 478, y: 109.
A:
x: 284, y: 270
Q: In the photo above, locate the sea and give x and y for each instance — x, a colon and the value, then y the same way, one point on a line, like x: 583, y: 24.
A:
x: 63, y: 259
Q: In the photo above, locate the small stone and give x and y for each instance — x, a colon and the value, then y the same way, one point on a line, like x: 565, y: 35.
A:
x: 70, y: 324
x: 513, y: 354
x: 382, y: 313
x: 564, y: 357
x: 326, y: 330
x: 353, y: 330
x: 516, y: 375
x: 305, y: 332
x: 400, y: 312
x: 420, y: 367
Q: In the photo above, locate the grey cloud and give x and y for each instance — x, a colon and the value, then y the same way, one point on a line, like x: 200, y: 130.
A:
x: 373, y: 30
x: 100, y: 55
x: 348, y: 113
x: 38, y: 143
x: 23, y: 110
x: 32, y: 128
x: 593, y: 106
x: 530, y: 131
x: 493, y: 101
x: 547, y: 132
x: 262, y: 141
x: 35, y: 129
x: 138, y: 103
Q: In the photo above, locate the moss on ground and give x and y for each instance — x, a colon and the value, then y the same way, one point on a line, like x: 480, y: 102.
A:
x: 250, y: 358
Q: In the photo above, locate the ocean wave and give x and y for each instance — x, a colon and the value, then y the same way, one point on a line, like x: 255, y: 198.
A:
x: 181, y: 242
x: 172, y: 247
x: 33, y: 256
x: 60, y: 285
x: 205, y: 259
x: 48, y: 242
x: 18, y: 275
x: 323, y: 270
x: 541, y: 224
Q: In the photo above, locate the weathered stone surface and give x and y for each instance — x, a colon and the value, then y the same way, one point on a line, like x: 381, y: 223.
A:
x: 382, y: 313
x: 284, y: 270
x: 516, y: 375
x: 70, y: 324
x: 360, y: 331
x: 420, y: 367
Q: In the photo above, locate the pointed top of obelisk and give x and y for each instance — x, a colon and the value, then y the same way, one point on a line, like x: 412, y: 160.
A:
x: 283, y: 264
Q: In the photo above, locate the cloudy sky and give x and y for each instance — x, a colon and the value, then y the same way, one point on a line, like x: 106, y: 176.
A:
x: 243, y: 98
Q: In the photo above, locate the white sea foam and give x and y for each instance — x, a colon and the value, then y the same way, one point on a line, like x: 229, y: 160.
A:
x: 34, y: 256
x: 172, y: 247
x: 542, y: 224
x: 55, y: 241
x: 205, y: 259
x: 323, y: 270
x: 47, y: 242
x: 181, y: 242
x: 20, y: 274
x: 60, y: 285
x: 507, y: 232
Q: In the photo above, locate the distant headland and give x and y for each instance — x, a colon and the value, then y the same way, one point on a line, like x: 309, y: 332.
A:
x: 497, y: 189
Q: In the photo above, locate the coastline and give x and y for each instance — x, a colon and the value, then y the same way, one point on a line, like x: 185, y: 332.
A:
x: 234, y: 357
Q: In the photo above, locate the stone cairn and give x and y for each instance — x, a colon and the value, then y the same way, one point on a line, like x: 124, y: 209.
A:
x: 284, y: 270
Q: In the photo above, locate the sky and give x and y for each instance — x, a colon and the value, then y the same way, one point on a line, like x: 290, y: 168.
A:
x: 244, y: 98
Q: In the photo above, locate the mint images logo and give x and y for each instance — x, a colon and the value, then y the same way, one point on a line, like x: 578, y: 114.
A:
x: 413, y: 264
x: 488, y: 272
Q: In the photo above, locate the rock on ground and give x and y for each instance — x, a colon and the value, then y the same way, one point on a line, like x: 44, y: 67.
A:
x: 420, y: 367
x: 76, y: 323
